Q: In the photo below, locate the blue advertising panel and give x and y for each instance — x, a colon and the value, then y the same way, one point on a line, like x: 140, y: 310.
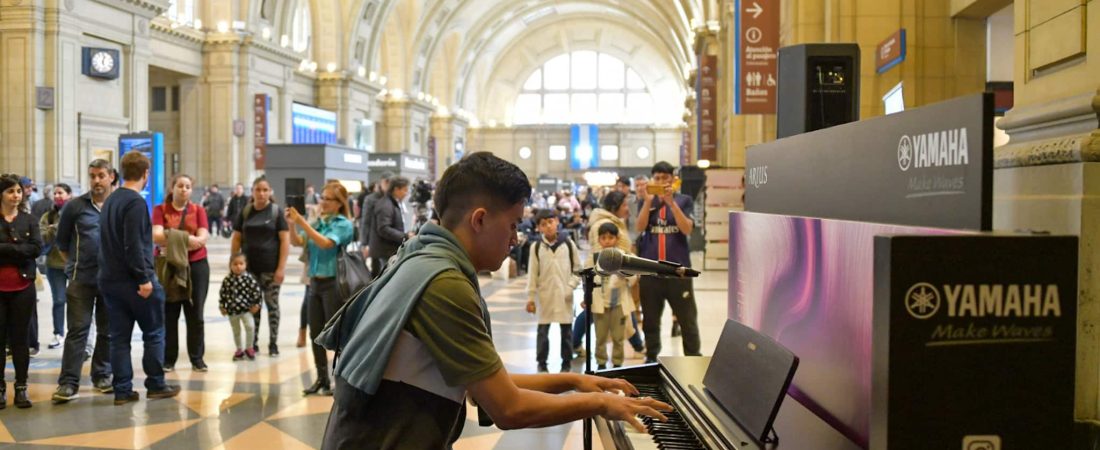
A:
x: 584, y: 141
x: 152, y: 146
x: 311, y: 125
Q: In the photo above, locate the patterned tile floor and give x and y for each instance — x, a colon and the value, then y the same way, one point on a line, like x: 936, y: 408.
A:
x: 258, y: 404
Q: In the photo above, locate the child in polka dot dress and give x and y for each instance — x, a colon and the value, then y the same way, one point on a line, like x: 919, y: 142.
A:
x: 240, y: 298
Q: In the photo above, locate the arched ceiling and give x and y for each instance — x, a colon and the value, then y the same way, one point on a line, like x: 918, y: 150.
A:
x: 449, y: 48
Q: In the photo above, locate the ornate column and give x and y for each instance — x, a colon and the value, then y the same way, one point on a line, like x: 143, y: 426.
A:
x: 64, y: 162
x: 1047, y: 176
x: 22, y: 69
x: 448, y: 131
x: 334, y: 94
x: 220, y: 153
x: 406, y: 126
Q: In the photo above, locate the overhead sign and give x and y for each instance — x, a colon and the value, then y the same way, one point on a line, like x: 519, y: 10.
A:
x: 260, y: 107
x: 891, y: 51
x: 756, y: 69
x: 929, y: 166
x: 706, y: 86
x: 312, y: 125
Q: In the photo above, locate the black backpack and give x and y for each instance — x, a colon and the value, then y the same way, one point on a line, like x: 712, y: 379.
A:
x: 568, y: 243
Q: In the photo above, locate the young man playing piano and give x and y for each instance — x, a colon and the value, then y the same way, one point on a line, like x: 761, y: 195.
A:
x: 417, y: 343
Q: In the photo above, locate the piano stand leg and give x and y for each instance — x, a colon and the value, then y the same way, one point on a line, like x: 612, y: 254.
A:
x: 588, y: 434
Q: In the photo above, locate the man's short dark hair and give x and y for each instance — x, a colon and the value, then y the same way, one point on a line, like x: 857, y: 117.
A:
x: 544, y: 214
x: 663, y: 167
x: 397, y: 183
x: 479, y: 177
x: 608, y: 228
x: 134, y: 165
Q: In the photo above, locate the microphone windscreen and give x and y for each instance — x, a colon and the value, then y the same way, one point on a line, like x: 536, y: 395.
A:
x: 609, y: 261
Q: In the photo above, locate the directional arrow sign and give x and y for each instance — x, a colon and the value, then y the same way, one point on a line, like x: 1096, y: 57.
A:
x: 756, y: 10
x: 756, y: 43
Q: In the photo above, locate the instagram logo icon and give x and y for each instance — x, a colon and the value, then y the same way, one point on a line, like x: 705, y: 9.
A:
x: 981, y: 442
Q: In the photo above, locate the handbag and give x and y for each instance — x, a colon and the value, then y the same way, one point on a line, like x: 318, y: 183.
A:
x: 351, y: 273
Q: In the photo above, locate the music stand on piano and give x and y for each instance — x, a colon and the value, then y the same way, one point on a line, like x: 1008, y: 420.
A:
x: 748, y: 377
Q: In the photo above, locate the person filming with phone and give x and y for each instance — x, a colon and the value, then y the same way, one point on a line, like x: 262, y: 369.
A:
x: 325, y: 238
x: 664, y: 224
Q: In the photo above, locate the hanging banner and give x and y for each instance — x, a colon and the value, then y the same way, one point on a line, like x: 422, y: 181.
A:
x: 756, y: 68
x: 706, y: 86
x: 585, y: 140
x: 260, y: 104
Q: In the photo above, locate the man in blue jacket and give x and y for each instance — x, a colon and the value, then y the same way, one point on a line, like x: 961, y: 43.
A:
x: 129, y: 284
x: 78, y: 241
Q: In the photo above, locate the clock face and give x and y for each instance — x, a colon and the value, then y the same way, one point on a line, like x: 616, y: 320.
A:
x: 103, y: 62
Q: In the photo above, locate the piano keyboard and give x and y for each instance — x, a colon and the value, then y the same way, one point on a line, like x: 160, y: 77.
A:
x: 673, y: 434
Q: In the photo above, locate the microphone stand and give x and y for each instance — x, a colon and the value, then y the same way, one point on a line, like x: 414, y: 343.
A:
x: 588, y: 280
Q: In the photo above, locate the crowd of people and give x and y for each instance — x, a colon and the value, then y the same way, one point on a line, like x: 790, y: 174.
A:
x: 112, y: 261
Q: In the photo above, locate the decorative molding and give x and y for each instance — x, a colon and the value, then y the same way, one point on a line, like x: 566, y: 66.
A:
x: 188, y: 36
x: 103, y: 123
x: 144, y: 8
x: 273, y: 52
x: 1063, y: 150
x: 1061, y: 131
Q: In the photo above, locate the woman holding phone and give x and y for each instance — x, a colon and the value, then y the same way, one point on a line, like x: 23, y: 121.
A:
x: 324, y: 238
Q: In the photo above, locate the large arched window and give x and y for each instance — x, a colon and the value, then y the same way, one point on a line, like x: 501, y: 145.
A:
x: 181, y: 11
x: 583, y: 87
x: 301, y: 26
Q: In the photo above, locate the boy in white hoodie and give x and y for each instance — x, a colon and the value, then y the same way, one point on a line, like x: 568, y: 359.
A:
x: 612, y: 305
x: 550, y: 281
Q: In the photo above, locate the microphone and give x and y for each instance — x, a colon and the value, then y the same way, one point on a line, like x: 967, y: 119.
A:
x: 613, y: 260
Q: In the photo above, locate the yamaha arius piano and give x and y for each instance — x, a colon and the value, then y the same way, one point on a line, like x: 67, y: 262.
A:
x: 729, y: 401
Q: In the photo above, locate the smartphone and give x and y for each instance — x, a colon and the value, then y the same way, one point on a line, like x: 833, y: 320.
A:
x: 659, y: 189
x: 298, y: 202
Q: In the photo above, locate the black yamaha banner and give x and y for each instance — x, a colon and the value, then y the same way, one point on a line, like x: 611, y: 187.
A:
x: 930, y: 166
x: 974, y: 342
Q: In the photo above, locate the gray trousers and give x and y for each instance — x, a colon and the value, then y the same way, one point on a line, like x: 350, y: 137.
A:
x: 245, y: 321
x: 82, y: 299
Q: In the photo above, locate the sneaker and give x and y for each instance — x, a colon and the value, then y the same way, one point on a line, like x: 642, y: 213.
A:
x: 543, y: 368
x: 64, y: 394
x: 104, y: 385
x: 169, y: 368
x: 256, y: 347
x: 168, y: 392
x: 239, y: 355
x: 251, y: 354
x: 273, y: 349
x: 649, y: 360
x: 34, y: 352
x: 199, y: 366
x: 566, y: 368
x: 57, y: 341
x: 675, y: 329
x: 126, y: 398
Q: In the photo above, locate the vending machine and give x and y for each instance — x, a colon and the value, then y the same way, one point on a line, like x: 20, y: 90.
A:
x: 152, y: 145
